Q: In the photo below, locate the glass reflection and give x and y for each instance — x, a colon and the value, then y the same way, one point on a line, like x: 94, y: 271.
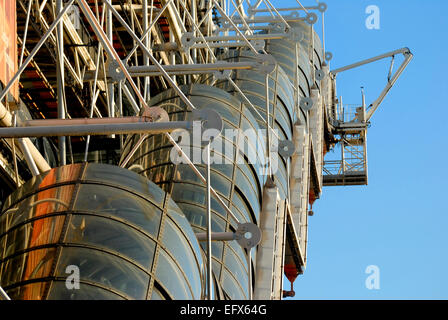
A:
x: 31, y: 265
x: 124, y: 178
x: 36, y: 233
x: 32, y: 291
x: 170, y: 276
x: 113, y: 235
x: 181, y: 250
x: 119, y: 203
x: 106, y: 270
x: 39, y: 204
x: 110, y: 236
x: 59, y: 291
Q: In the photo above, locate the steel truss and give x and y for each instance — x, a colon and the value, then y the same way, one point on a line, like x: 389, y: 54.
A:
x: 113, y: 56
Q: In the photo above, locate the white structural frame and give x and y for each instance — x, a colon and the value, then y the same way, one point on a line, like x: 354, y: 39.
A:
x: 188, y: 53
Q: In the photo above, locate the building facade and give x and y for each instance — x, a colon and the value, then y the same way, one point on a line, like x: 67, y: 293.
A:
x: 168, y: 149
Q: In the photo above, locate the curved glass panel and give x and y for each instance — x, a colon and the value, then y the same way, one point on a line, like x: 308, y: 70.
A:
x: 231, y: 286
x: 59, y: 175
x: 106, y: 222
x: 156, y: 295
x: 119, y: 203
x: 242, y: 207
x: 59, y: 291
x: 31, y: 291
x: 39, y: 204
x: 234, y: 265
x: 170, y: 276
x: 179, y: 218
x: 196, y: 215
x: 124, y: 178
x: 30, y: 265
x: 35, y: 233
x: 106, y: 270
x: 113, y: 235
x: 180, y: 248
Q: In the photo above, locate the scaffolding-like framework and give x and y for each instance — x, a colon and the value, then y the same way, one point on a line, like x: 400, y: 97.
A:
x: 89, y: 67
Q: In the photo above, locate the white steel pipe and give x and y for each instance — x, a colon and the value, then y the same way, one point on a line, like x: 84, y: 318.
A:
x: 94, y: 129
x: 28, y: 157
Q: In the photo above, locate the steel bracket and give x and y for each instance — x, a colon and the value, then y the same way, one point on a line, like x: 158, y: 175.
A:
x: 266, y: 63
x: 248, y: 235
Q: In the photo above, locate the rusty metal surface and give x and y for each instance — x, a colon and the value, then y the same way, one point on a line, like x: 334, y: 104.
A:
x: 8, y: 44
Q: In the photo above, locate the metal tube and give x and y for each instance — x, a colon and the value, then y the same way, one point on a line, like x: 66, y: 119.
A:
x: 366, y: 61
x: 194, y: 21
x: 133, y: 150
x: 268, y: 140
x: 285, y: 9
x: 389, y: 86
x: 242, y: 14
x: 120, y: 107
x: 28, y: 12
x: 4, y: 295
x: 221, y: 11
x: 168, y: 46
x: 107, y: 45
x: 216, y: 236
x: 172, y: 73
x: 128, y: 95
x: 267, y: 36
x: 153, y: 60
x: 265, y: 19
x: 249, y: 273
x: 243, y: 28
x: 28, y: 157
x: 60, y: 77
x: 146, y: 43
x: 199, y: 174
x: 151, y: 69
x: 82, y: 121
x: 110, y: 85
x: 6, y: 120
x: 147, y: 30
x: 94, y: 129
x: 209, y: 225
x: 13, y: 144
x: 278, y: 13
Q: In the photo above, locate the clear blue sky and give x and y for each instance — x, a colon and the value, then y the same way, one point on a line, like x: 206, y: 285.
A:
x: 398, y: 222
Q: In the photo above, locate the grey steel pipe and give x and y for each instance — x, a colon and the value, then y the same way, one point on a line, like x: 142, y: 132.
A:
x: 60, y: 77
x: 111, y: 51
x: 209, y: 225
x: 82, y: 121
x: 217, y: 236
x: 267, y: 36
x: 192, y: 67
x: 265, y: 19
x: 366, y: 61
x: 169, y: 46
x: 94, y: 129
